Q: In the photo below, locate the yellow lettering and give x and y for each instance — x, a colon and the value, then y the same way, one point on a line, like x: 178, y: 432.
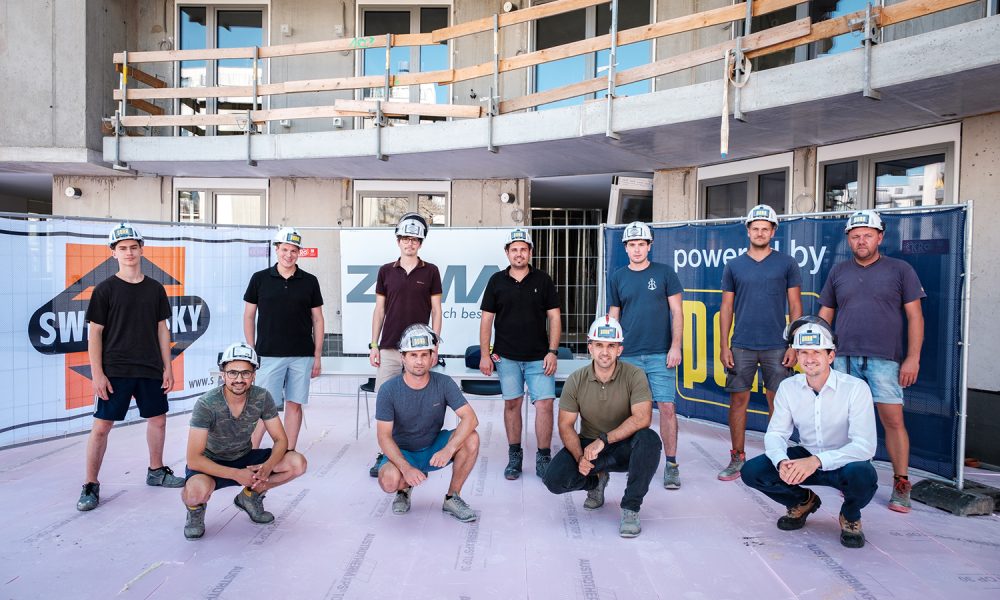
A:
x: 695, y: 343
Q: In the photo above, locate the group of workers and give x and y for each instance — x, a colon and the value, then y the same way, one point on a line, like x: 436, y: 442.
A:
x: 847, y: 370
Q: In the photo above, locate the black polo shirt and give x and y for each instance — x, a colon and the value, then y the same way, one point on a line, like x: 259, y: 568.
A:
x: 520, y: 307
x: 407, y: 298
x: 284, y: 311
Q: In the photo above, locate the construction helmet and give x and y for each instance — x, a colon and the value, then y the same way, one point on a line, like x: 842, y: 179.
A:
x: 123, y: 231
x: 239, y: 351
x: 418, y: 337
x: 412, y: 225
x: 864, y: 218
x: 288, y: 235
x: 518, y: 235
x: 606, y: 329
x: 810, y: 333
x: 762, y: 212
x: 637, y: 230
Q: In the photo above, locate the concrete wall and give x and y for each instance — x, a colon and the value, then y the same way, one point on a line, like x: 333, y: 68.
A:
x: 138, y: 198
x: 979, y: 182
x: 675, y: 195
x: 104, y: 34
x: 679, y: 43
x: 476, y: 203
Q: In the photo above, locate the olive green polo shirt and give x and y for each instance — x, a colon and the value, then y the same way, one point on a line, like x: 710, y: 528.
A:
x: 604, y: 406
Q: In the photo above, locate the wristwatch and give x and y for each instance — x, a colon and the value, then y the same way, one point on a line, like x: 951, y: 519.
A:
x: 604, y: 438
x: 554, y: 351
x: 372, y: 346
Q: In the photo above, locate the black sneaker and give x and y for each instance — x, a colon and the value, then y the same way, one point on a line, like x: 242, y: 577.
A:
x: 163, y: 477
x: 373, y: 472
x: 515, y: 459
x: 89, y: 497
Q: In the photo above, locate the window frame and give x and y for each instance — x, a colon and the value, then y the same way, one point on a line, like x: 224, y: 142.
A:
x: 750, y: 171
x: 214, y: 186
x: 397, y: 188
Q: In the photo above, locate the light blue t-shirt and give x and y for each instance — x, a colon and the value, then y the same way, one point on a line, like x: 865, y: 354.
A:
x: 645, y: 313
x: 761, y: 290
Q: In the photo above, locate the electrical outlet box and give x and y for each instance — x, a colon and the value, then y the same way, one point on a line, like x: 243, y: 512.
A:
x: 338, y: 122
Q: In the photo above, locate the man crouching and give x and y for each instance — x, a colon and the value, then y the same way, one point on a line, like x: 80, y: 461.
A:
x: 220, y: 452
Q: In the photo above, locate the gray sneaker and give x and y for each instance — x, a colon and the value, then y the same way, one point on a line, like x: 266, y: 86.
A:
x: 671, y: 476
x: 401, y: 503
x: 163, y: 477
x: 630, y: 526
x: 514, y: 460
x: 542, y: 464
x: 595, y: 497
x: 253, y: 505
x: 459, y: 509
x: 89, y: 497
x: 194, y: 528
x: 736, y: 462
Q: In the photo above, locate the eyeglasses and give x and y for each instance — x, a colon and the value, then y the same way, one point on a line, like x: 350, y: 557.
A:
x: 238, y: 374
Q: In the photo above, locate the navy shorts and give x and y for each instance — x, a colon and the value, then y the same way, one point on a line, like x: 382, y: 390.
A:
x: 421, y: 459
x: 254, y: 457
x: 148, y: 393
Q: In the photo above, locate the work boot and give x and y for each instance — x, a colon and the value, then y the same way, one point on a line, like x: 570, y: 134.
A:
x: 796, y: 516
x: 595, y: 497
x: 90, y: 497
x: 671, y: 476
x: 629, y: 527
x: 900, y: 500
x: 253, y: 504
x: 163, y: 477
x: 736, y: 462
x: 457, y: 508
x: 851, y: 535
x: 513, y: 470
x: 401, y: 503
x: 194, y: 528
x: 373, y: 472
x: 542, y: 464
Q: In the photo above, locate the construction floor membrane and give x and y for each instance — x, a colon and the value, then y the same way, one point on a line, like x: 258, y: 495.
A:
x: 335, y: 535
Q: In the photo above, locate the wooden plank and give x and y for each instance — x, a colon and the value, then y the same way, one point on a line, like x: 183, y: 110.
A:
x: 512, y: 18
x: 169, y: 55
x: 443, y: 76
x: 413, y: 108
x: 239, y: 91
x: 904, y: 11
x: 303, y: 112
x: 148, y: 107
x: 413, y: 39
x: 178, y: 120
x: 304, y: 48
x: 320, y: 85
x: 142, y: 76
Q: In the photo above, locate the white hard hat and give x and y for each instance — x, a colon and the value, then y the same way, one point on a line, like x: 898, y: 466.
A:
x: 864, y: 218
x: 412, y: 225
x: 762, y: 212
x: 606, y: 329
x: 518, y: 235
x: 813, y: 337
x: 792, y: 328
x: 239, y: 351
x: 418, y: 337
x: 288, y: 235
x: 123, y: 231
x: 637, y: 230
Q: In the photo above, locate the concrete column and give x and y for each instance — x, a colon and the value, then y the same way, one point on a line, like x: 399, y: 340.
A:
x: 803, y: 183
x: 476, y: 203
x: 675, y: 195
x: 979, y: 174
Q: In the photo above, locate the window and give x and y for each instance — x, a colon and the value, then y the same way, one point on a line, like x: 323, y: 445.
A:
x: 817, y: 10
x: 382, y: 203
x: 221, y: 201
x: 201, y: 27
x: 730, y: 190
x: 587, y: 23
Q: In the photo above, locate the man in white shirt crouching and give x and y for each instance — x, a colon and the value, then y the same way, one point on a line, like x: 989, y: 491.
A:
x: 835, y: 417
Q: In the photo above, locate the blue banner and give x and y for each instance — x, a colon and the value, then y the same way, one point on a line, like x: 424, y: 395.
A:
x: 933, y: 242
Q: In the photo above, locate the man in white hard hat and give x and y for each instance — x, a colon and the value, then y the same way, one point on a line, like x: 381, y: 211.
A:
x: 646, y: 298
x: 409, y: 415
x: 283, y: 322
x: 220, y: 451
x: 835, y: 418
x: 613, y: 403
x: 129, y: 348
x: 407, y: 290
x: 518, y: 303
x: 875, y: 299
x: 755, y: 288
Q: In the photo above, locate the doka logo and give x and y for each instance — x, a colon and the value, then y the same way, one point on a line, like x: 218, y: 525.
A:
x: 59, y: 326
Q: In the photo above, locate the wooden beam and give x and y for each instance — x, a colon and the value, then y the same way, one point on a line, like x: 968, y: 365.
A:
x: 148, y: 107
x: 144, y: 77
x: 444, y: 76
x: 178, y: 120
x: 512, y: 18
x: 413, y: 108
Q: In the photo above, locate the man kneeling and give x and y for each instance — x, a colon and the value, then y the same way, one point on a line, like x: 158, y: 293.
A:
x: 409, y: 414
x: 615, y: 407
x: 220, y: 453
x: 835, y: 417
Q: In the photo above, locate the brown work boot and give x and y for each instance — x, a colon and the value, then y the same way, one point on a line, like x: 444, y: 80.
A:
x: 796, y: 516
x: 851, y: 535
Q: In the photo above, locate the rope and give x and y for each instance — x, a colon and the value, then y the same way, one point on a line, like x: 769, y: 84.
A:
x: 729, y: 77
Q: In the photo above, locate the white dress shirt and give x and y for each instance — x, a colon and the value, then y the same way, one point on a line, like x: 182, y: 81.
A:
x: 837, y: 425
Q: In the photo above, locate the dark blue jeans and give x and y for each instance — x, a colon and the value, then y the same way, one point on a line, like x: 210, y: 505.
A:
x: 857, y: 480
x: 639, y: 456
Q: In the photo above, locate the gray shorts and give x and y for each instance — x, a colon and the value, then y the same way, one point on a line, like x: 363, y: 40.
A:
x: 740, y: 377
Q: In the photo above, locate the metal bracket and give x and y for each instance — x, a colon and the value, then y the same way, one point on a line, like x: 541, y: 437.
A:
x: 379, y: 123
x: 869, y: 38
x: 248, y: 128
x: 494, y: 101
x: 739, y: 67
x: 612, y: 64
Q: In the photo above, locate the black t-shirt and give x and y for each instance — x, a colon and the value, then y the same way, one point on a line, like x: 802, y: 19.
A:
x: 520, y: 307
x: 131, y: 315
x: 284, y: 311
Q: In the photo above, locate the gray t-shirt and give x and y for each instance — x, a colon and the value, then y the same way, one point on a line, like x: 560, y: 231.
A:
x: 228, y: 436
x: 868, y: 301
x: 417, y: 415
x: 645, y: 312
x: 761, y: 290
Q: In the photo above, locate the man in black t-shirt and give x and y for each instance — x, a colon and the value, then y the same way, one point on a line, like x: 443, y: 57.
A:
x: 287, y: 332
x: 517, y: 304
x: 129, y: 347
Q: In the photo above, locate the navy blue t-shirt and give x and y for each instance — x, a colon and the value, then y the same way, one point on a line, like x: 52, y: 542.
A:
x: 417, y: 416
x: 645, y: 313
x: 761, y: 290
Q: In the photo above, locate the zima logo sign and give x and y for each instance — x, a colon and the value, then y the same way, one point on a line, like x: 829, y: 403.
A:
x: 59, y: 326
